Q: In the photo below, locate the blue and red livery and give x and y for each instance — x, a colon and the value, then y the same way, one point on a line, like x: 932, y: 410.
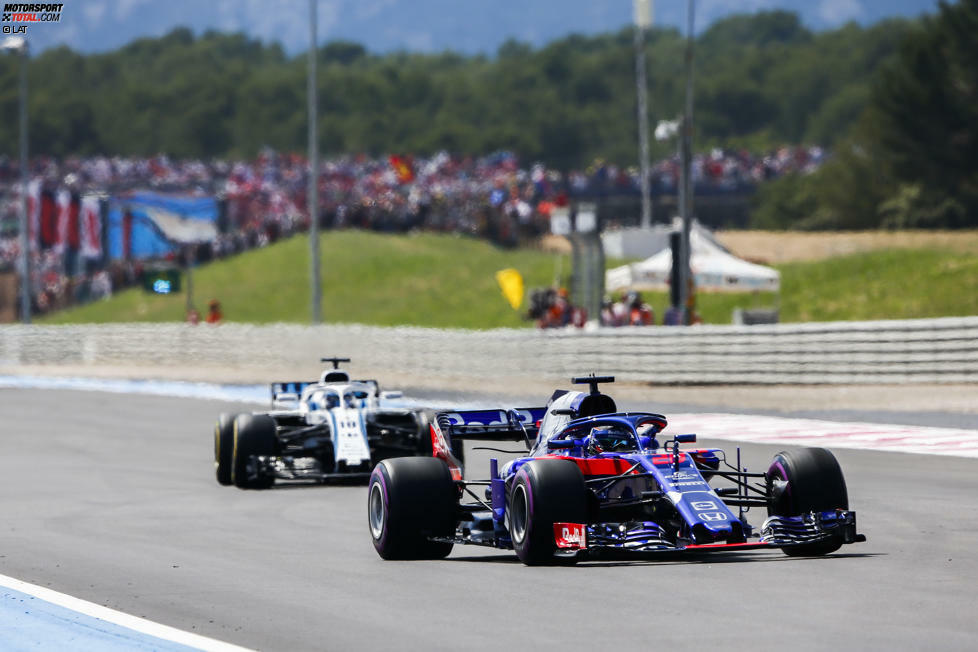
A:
x: 595, y: 482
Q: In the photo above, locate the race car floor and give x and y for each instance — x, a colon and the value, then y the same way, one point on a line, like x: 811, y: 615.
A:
x: 111, y: 498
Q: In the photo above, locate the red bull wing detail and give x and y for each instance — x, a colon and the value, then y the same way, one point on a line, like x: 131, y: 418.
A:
x: 570, y: 536
x: 443, y: 451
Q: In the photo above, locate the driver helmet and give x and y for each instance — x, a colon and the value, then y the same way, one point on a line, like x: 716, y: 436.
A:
x: 598, y: 440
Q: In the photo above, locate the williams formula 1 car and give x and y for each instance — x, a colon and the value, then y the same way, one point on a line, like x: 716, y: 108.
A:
x: 597, y: 482
x: 336, y: 428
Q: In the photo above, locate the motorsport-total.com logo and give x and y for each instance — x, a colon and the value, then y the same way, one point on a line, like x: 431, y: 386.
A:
x: 28, y: 13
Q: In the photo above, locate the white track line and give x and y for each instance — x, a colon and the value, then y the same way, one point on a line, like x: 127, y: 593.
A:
x: 119, y: 618
x: 836, y: 434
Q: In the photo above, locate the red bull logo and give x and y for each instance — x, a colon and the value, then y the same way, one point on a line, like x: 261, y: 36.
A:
x: 571, y: 536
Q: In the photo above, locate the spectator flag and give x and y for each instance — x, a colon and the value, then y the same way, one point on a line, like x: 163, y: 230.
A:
x: 91, y: 227
x: 63, y: 212
x: 511, y: 283
x: 403, y: 166
x: 178, y: 228
x: 74, y: 228
x: 666, y: 129
x: 33, y: 212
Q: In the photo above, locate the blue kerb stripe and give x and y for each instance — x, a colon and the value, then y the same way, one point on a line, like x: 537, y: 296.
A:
x: 29, y: 623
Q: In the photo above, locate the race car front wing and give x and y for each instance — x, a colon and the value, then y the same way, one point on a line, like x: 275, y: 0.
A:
x: 648, y: 536
x: 811, y: 527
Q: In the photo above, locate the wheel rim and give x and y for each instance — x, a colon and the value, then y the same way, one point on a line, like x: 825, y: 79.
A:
x: 519, y: 513
x: 377, y: 511
x: 778, y: 491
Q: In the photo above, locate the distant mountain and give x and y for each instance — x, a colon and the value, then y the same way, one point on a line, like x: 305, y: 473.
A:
x: 469, y: 26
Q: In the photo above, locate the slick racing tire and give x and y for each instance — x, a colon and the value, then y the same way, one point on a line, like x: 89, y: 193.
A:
x: 408, y: 500
x: 254, y: 434
x: 802, y: 481
x: 223, y: 447
x: 544, y: 492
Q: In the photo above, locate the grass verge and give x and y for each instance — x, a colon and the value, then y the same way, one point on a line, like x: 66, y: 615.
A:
x: 449, y: 281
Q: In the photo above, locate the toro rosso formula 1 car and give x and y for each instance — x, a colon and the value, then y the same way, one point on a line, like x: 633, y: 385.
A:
x: 597, y: 482
x: 336, y: 428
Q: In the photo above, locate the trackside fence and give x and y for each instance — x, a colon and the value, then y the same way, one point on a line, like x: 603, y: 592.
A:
x: 879, y: 352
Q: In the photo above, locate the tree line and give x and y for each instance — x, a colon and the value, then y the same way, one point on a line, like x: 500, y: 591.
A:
x: 761, y: 80
x: 910, y: 157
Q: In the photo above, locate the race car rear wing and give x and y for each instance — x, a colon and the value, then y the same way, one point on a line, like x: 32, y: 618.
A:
x: 520, y: 424
x: 293, y: 387
x: 297, y: 386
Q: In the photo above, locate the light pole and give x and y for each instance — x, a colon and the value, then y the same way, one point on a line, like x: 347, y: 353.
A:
x: 317, y: 310
x: 686, y: 185
x: 643, y: 20
x: 19, y: 44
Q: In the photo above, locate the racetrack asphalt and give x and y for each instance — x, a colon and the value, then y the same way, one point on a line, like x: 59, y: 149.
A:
x: 111, y: 498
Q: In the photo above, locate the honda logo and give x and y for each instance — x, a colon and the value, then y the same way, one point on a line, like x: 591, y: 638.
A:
x: 713, y: 516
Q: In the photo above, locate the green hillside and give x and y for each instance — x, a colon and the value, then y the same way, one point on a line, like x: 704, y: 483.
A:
x: 449, y: 281
x: 881, y: 284
x: 421, y: 279
x: 885, y: 284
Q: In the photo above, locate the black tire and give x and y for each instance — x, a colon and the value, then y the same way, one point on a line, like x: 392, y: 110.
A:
x: 254, y: 434
x: 802, y: 481
x: 544, y: 492
x: 424, y: 419
x: 223, y: 447
x: 408, y: 500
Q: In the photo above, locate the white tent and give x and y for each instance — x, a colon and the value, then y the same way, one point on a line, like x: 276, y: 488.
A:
x: 713, y: 269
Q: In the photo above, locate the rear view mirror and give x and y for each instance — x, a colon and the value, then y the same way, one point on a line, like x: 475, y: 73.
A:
x: 565, y: 443
x: 686, y: 439
x: 392, y: 394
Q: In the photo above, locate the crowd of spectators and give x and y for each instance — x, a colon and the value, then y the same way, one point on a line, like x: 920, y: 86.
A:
x: 265, y: 198
x: 629, y: 310
x: 715, y: 172
x: 551, y: 308
x: 397, y: 193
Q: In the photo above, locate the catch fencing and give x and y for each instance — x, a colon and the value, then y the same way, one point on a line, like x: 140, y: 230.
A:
x: 880, y: 352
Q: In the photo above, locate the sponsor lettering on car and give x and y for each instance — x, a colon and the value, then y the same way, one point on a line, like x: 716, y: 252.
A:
x: 572, y: 536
